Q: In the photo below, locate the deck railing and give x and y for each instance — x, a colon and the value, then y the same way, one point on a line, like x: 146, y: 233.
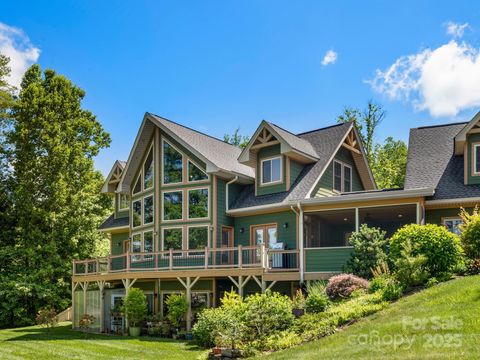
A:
x: 208, y: 258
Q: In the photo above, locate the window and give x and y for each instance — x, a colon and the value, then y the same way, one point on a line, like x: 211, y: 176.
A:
x: 172, y: 205
x: 272, y: 170
x: 148, y: 171
x: 195, y: 173
x: 142, y: 243
x: 138, y: 186
x: 122, y: 201
x: 137, y: 213
x: 198, y: 203
x: 266, y: 234
x: 476, y: 159
x: 342, y: 177
x: 148, y: 210
x: 197, y: 237
x: 172, y: 164
x: 452, y: 224
x: 148, y: 241
x: 172, y: 238
x: 137, y: 243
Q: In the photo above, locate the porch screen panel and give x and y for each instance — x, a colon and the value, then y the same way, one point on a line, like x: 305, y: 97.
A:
x: 388, y: 218
x: 93, y: 307
x: 77, y: 307
x: 329, y: 228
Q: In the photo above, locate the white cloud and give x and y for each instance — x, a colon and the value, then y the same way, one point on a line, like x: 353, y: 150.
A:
x: 329, y: 58
x: 456, y: 30
x: 15, y: 44
x: 444, y: 81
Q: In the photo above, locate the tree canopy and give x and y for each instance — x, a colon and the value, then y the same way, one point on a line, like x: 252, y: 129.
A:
x: 236, y: 139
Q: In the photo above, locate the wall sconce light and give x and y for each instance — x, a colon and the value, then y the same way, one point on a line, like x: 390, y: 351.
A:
x: 242, y: 230
x: 119, y: 244
x: 285, y: 226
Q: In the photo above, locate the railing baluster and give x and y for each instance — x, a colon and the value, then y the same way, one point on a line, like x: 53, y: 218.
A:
x: 240, y: 255
x: 206, y: 257
x: 170, y: 259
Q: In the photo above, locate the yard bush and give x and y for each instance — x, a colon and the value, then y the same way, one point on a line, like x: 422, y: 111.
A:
x: 282, y: 340
x: 177, y: 306
x: 317, y: 299
x: 470, y: 233
x: 369, y: 245
x: 473, y: 267
x: 440, y: 247
x: 47, y: 317
x: 343, y: 285
x: 135, y: 306
x: 410, y: 269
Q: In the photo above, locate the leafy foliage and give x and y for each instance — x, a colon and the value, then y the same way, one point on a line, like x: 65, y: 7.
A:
x: 51, y: 203
x: 369, y: 246
x: 440, y: 248
x: 236, y: 139
x: 390, y: 163
x: 411, y: 269
x: 135, y: 306
x: 47, y: 317
x: 470, y: 233
x: 317, y: 299
x: 177, y: 306
x: 343, y: 285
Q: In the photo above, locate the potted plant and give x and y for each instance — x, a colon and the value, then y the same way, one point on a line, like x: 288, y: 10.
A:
x: 298, y: 303
x: 177, y: 307
x: 135, y: 309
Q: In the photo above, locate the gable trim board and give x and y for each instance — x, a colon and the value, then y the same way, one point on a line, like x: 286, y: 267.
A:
x: 461, y: 137
x: 106, y: 188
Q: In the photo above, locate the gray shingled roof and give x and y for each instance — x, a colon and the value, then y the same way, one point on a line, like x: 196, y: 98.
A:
x: 296, y: 142
x: 325, y: 142
x: 432, y: 163
x: 111, y: 222
x: 221, y: 154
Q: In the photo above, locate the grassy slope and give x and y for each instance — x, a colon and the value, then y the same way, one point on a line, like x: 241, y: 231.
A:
x: 63, y: 343
x: 458, y: 298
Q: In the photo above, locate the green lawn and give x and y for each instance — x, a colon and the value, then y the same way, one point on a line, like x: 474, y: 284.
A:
x: 64, y: 343
x: 454, y: 305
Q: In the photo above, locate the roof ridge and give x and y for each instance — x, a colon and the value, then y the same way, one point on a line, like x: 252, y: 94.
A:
x: 322, y: 128
x: 441, y: 125
x: 288, y: 131
x: 197, y: 131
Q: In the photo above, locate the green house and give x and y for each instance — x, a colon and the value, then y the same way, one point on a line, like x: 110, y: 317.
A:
x: 198, y: 216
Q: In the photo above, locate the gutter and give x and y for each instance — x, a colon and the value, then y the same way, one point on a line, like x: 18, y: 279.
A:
x: 453, y: 201
x: 300, y: 240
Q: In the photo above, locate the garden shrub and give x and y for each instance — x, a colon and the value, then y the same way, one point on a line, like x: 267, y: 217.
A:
x: 432, y: 282
x: 317, y: 299
x: 282, y: 340
x: 177, y: 306
x: 343, y: 285
x: 47, y: 317
x: 209, y: 323
x: 369, y: 245
x: 410, y: 269
x: 135, y: 306
x: 440, y: 248
x: 384, y: 283
x: 299, y: 300
x: 470, y: 233
x: 473, y: 267
x: 315, y: 326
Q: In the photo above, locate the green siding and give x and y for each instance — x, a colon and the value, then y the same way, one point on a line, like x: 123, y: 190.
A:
x: 167, y: 285
x: 472, y: 138
x: 326, y: 260
x: 287, y: 235
x: 282, y: 287
x: 435, y: 216
x: 325, y: 185
x: 295, y: 170
x: 269, y: 189
x: 222, y: 218
x: 117, y: 242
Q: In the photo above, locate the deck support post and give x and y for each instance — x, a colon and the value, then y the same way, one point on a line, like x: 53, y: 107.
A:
x: 127, y: 284
x: 101, y: 287
x: 188, y: 285
x: 263, y: 284
x: 84, y: 285
x: 240, y: 283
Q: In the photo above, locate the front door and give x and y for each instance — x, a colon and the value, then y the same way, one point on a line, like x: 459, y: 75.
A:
x: 226, y: 256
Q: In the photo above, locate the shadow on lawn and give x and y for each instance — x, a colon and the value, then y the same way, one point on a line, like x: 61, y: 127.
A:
x: 65, y: 332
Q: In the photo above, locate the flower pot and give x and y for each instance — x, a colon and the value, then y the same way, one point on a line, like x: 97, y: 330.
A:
x: 134, y: 330
x: 298, y: 312
x: 217, y: 350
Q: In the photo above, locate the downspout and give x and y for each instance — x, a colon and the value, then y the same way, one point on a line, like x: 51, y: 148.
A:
x: 300, y: 240
x: 227, y: 204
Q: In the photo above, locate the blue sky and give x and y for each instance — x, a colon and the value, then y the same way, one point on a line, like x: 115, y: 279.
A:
x: 219, y: 65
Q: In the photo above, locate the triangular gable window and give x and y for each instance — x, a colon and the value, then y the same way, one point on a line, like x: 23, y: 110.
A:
x: 195, y: 173
x: 138, y: 186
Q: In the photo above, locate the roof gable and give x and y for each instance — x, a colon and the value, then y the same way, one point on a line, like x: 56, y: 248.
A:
x: 460, y: 138
x: 113, y: 177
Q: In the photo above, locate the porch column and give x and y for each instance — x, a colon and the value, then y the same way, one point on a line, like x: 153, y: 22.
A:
x: 188, y: 285
x: 101, y: 287
x: 74, y: 288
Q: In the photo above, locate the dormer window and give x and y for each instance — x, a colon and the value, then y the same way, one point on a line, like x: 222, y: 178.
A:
x: 123, y: 202
x: 342, y: 177
x: 271, y: 171
x: 476, y: 159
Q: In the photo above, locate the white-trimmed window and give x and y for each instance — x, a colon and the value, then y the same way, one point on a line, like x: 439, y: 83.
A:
x: 145, y: 179
x: 195, y: 173
x: 342, y: 177
x: 137, y: 213
x: 198, y: 203
x: 476, y: 159
x: 198, y: 236
x: 172, y: 238
x: 452, y: 224
x: 172, y: 164
x: 142, y: 242
x: 148, y: 210
x: 172, y: 205
x: 271, y: 170
x: 123, y: 202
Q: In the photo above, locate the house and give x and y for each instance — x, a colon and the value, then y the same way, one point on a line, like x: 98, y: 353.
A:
x: 199, y: 216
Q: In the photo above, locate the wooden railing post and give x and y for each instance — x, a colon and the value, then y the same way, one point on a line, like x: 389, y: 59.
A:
x: 206, y: 257
x: 85, y: 266
x: 170, y: 259
x: 263, y: 255
x: 240, y: 256
x: 128, y: 260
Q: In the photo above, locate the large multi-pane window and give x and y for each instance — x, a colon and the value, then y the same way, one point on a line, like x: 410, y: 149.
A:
x: 148, y: 210
x: 173, y: 238
x: 197, y: 237
x: 195, y: 173
x: 148, y: 171
x: 172, y: 164
x: 271, y: 171
x: 198, y: 203
x: 142, y: 243
x: 172, y: 205
x: 136, y: 213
